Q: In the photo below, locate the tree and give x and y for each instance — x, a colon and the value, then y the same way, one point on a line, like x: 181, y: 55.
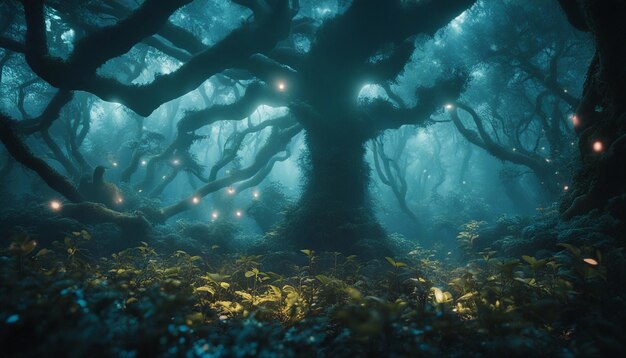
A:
x: 369, y: 42
x: 601, y: 182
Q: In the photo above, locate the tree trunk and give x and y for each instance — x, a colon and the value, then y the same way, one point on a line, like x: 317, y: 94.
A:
x: 601, y: 183
x: 334, y: 212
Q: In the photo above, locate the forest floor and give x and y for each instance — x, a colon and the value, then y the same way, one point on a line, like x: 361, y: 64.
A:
x: 70, y: 297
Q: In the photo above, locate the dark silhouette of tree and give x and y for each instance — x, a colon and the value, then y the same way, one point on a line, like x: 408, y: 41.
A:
x: 601, y: 112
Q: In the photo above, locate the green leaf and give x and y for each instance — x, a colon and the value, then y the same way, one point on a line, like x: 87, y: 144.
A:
x: 391, y: 261
x: 43, y: 252
x: 249, y: 274
x: 307, y: 252
x: 571, y: 248
x: 531, y: 260
x: 244, y: 295
x: 207, y: 289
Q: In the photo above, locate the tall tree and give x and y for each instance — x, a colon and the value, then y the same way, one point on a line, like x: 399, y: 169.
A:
x: 369, y: 42
x: 601, y: 114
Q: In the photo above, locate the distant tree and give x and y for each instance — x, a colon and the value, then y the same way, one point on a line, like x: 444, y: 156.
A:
x: 519, y: 106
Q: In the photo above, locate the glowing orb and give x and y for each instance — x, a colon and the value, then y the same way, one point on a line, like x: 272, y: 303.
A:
x: 55, y: 205
x: 195, y: 200
x: 119, y: 200
x: 238, y: 213
x: 449, y: 106
x: 591, y: 261
x: 115, y: 164
x: 230, y: 190
x: 598, y: 146
x: 464, y: 182
x: 163, y: 177
x: 281, y: 86
x: 255, y: 194
x: 565, y: 90
x: 140, y: 190
x: 566, y: 188
x: 214, y: 215
x: 143, y: 162
x: 515, y: 149
x: 575, y: 120
x: 176, y: 161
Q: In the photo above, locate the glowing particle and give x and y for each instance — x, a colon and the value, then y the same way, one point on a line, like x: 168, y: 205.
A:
x: 566, y: 188
x: 176, y: 161
x: 55, y: 205
x: 575, y: 120
x: 214, y: 215
x: 464, y: 182
x: 255, y: 194
x: 238, y: 213
x: 115, y: 164
x: 547, y: 160
x: 230, y: 190
x: 12, y: 318
x: 282, y: 86
x: 449, y: 106
x: 140, y: 190
x: 163, y: 177
x: 565, y: 90
x: 543, y: 148
x: 195, y: 200
x: 591, y: 261
x: 515, y: 149
x: 119, y: 200
x: 143, y: 162
x: 598, y: 146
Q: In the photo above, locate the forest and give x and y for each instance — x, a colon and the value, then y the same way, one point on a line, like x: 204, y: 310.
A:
x: 279, y: 178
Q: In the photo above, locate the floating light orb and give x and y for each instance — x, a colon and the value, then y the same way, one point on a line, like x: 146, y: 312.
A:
x: 238, y: 213
x: 115, y: 164
x: 547, y: 160
x: 140, y: 191
x: 163, y: 177
x: 565, y: 90
x: 55, y: 205
x: 464, y: 182
x: 566, y: 188
x: 449, y: 106
x: 230, y: 190
x: 214, y: 215
x: 515, y: 149
x: 575, y: 120
x: 195, y: 200
x: 119, y: 200
x: 598, y: 146
x: 281, y: 86
x: 143, y: 162
x: 176, y: 162
x: 255, y: 194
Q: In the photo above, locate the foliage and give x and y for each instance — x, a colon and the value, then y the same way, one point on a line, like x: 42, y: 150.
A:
x: 141, y: 301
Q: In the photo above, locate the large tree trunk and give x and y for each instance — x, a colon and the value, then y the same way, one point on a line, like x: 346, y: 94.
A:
x: 601, y: 183
x: 334, y: 212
